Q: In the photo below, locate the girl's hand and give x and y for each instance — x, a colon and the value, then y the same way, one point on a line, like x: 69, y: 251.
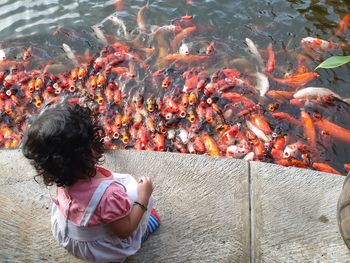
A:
x: 144, y: 189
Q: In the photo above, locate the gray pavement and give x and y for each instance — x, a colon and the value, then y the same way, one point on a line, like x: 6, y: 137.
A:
x: 212, y: 210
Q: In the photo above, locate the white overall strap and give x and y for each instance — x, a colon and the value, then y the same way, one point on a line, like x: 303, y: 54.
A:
x: 94, y: 201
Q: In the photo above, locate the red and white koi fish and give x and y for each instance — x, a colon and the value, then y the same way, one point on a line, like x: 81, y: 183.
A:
x: 311, y: 92
x: 237, y: 151
x: 180, y: 36
x: 319, y: 45
x: 259, y: 133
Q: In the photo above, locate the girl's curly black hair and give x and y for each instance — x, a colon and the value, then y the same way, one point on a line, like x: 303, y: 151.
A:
x: 64, y: 144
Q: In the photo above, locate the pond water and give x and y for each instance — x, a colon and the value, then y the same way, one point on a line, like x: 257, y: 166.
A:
x: 43, y: 26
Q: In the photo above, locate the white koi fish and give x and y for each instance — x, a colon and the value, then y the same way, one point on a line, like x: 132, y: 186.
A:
x: 249, y: 157
x: 254, y: 50
x: 118, y: 22
x: 262, y: 83
x: 314, y: 92
x: 70, y: 53
x: 184, y: 50
x: 99, y: 34
x: 259, y: 133
x: 2, y: 55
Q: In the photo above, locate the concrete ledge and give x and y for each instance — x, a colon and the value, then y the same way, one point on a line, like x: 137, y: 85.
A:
x: 212, y: 210
x: 294, y: 215
x: 203, y: 204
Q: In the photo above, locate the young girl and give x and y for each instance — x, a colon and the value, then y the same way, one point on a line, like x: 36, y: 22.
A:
x: 97, y: 215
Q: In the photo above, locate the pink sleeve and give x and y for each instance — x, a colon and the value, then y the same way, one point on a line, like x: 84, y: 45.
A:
x: 114, y: 204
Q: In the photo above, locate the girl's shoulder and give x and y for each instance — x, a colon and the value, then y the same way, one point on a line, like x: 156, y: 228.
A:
x: 114, y: 205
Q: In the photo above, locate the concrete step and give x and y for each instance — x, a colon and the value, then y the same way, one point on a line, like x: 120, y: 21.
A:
x: 212, y: 210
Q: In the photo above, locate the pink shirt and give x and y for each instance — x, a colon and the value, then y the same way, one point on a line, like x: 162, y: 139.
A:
x: 114, y: 203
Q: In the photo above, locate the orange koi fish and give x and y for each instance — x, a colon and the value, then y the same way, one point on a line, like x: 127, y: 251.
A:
x: 343, y: 24
x: 235, y: 97
x: 323, y: 167
x: 190, y: 84
x: 291, y: 162
x: 119, y: 5
x: 333, y: 130
x: 180, y: 36
x: 280, y: 143
x: 150, y: 124
x: 210, y: 145
x: 280, y: 94
x: 347, y: 167
x: 270, y: 65
x: 159, y: 141
x: 260, y: 123
x: 185, y: 58
x: 287, y: 117
x: 296, y: 80
x: 309, y: 129
x: 319, y: 45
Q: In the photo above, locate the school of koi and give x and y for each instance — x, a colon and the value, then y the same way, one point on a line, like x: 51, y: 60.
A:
x: 196, y: 110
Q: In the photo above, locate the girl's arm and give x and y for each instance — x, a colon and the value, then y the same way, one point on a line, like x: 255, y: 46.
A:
x: 125, y: 226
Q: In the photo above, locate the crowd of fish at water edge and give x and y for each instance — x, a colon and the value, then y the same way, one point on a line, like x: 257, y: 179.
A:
x: 183, y: 105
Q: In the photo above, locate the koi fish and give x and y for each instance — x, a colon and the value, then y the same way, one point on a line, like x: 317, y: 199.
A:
x: 99, y: 34
x: 140, y: 20
x: 291, y: 162
x: 311, y: 92
x: 334, y: 130
x: 119, y: 5
x: 210, y: 145
x: 184, y: 50
x: 259, y: 133
x: 118, y: 22
x: 254, y: 50
x: 347, y: 167
x: 159, y: 141
x: 2, y: 55
x: 262, y: 83
x: 260, y: 123
x: 296, y: 80
x: 270, y: 65
x: 309, y: 129
x: 70, y: 53
x: 190, y: 84
x: 185, y: 58
x: 280, y: 94
x: 180, y: 36
x: 323, y: 167
x: 319, y: 45
x: 343, y: 24
x: 287, y: 117
x: 237, y: 151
